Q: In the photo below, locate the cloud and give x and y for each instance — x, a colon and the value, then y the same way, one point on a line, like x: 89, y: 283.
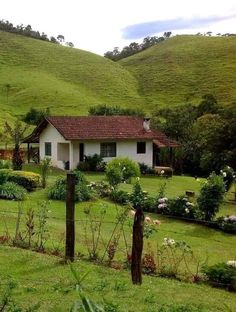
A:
x: 141, y: 30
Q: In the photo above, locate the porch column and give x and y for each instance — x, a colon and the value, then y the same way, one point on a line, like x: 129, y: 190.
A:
x: 71, y: 156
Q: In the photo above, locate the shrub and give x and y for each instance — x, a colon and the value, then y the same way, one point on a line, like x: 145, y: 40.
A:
x: 13, y: 191
x: 121, y: 169
x: 228, y: 176
x: 4, y: 175
x: 103, y: 189
x: 181, y: 207
x: 211, y: 196
x: 145, y: 169
x: 149, y: 204
x: 44, y: 169
x: 92, y: 163
x: 120, y: 197
x: 29, y: 180
x: 227, y: 224
x: 221, y: 275
x: 138, y: 196
x: 82, y: 191
x: 58, y: 190
x: 148, y: 264
x: 5, y: 164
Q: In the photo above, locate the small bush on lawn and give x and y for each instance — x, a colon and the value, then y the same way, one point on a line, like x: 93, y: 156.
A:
x: 82, y: 191
x: 29, y: 180
x: 5, y: 164
x: 120, y: 197
x: 121, y: 169
x: 138, y: 196
x: 221, y: 275
x: 181, y: 207
x: 4, y: 174
x: 227, y: 224
x: 103, y: 189
x: 211, y: 196
x: 149, y: 204
x: 13, y: 191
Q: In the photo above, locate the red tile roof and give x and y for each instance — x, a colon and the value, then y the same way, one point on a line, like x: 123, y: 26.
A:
x: 99, y: 127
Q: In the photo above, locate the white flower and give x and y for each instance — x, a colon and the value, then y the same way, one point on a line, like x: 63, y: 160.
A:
x: 132, y: 212
x: 157, y: 222
x: 232, y: 218
x: 162, y: 171
x: 147, y: 219
x: 232, y: 263
x: 186, y: 210
x: 168, y: 241
x: 224, y: 174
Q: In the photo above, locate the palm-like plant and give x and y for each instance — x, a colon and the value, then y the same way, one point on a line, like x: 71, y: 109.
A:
x: 16, y: 133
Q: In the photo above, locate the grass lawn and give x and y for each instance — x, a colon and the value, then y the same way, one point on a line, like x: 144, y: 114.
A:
x: 113, y: 285
x: 43, y: 279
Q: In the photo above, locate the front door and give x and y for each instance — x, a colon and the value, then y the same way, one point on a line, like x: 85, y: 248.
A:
x: 81, y: 152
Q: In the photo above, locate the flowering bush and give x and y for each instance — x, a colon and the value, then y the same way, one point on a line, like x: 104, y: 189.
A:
x: 103, y: 189
x: 181, y: 207
x: 121, y: 169
x: 211, y: 196
x: 138, y: 196
x: 228, y: 175
x: 173, y: 257
x: 227, y: 224
x: 162, y: 205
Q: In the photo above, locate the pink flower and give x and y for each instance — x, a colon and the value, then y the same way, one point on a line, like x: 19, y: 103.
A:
x: 157, y: 222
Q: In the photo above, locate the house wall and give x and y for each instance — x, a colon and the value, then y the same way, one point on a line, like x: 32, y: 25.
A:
x: 50, y: 134
x: 71, y: 152
x: 124, y: 148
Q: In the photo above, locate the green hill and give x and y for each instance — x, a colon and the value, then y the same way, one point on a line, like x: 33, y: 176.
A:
x: 39, y: 74
x: 35, y: 73
x: 183, y: 68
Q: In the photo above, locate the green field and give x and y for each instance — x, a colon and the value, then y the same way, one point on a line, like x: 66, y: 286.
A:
x: 39, y: 74
x: 183, y: 68
x: 34, y: 73
x: 42, y: 277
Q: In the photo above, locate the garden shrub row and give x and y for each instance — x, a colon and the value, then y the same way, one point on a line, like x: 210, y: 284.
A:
x: 202, y: 212
x: 13, y: 184
x: 28, y: 180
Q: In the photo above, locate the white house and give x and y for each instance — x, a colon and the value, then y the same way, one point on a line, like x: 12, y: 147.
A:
x: 66, y: 140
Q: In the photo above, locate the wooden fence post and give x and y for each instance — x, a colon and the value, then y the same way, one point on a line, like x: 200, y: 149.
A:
x: 70, y: 217
x: 137, y: 247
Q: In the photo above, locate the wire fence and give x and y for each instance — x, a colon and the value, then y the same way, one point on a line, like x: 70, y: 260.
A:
x: 6, y: 213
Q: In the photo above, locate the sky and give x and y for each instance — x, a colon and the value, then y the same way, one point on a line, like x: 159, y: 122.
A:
x: 100, y: 25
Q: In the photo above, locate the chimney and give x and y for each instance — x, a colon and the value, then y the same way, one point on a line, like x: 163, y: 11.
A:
x: 146, y: 124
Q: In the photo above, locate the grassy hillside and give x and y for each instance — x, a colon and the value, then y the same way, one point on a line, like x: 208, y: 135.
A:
x: 34, y: 73
x: 39, y: 74
x: 184, y: 68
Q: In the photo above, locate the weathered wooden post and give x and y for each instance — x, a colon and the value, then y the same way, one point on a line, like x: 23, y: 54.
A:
x: 137, y: 247
x: 70, y: 217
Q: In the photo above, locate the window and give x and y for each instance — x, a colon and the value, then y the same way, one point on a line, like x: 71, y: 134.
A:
x: 108, y: 149
x: 48, y: 149
x: 141, y: 147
